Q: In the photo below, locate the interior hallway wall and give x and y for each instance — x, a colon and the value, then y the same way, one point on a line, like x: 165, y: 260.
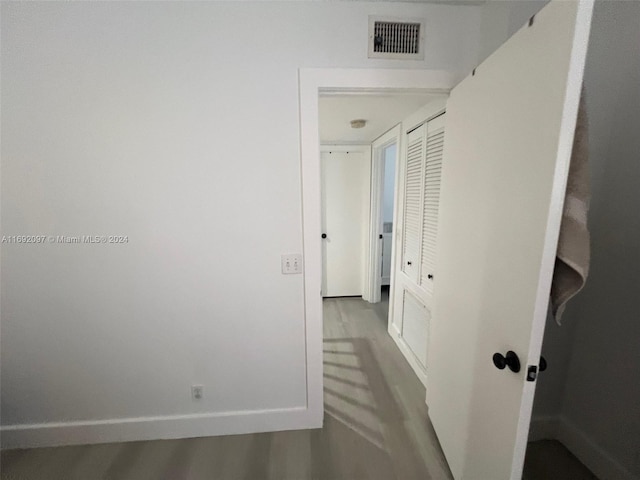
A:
x: 602, y: 393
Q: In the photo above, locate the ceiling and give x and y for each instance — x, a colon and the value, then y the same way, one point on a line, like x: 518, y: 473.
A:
x: 381, y: 111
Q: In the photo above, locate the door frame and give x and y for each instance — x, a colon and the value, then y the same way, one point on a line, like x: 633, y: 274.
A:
x: 313, y: 82
x: 373, y: 284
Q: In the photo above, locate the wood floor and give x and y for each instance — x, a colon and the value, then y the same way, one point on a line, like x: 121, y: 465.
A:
x: 375, y: 427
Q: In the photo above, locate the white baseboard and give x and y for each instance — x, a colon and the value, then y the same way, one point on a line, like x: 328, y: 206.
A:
x: 155, y: 428
x: 600, y: 462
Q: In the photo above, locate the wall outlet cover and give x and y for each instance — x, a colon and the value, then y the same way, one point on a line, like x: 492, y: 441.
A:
x: 197, y: 392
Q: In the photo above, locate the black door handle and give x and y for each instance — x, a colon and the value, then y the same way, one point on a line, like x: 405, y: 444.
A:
x: 324, y: 235
x: 543, y: 364
x: 430, y: 277
x: 510, y: 360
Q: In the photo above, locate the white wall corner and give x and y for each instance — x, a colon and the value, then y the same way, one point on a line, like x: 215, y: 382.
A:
x: 596, y: 459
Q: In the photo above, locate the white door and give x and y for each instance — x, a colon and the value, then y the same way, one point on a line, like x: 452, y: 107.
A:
x: 509, y: 133
x: 345, y: 201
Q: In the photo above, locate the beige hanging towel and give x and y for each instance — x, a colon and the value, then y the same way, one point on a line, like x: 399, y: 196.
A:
x: 573, y: 255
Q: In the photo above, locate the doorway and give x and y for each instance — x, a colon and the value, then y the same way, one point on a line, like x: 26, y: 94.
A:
x: 499, y: 178
x: 359, y: 140
x: 389, y: 156
x: 313, y: 84
x: 369, y: 388
x: 384, y: 165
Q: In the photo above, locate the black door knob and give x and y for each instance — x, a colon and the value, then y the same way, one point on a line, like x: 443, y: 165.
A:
x: 543, y: 364
x: 324, y: 235
x: 430, y: 277
x: 510, y: 360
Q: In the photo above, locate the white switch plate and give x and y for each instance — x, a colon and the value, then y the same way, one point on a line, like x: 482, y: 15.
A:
x: 291, y: 263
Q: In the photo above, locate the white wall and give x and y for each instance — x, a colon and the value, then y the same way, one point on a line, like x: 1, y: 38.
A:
x: 596, y: 391
x: 502, y: 18
x: 389, y: 183
x: 176, y: 124
x: 602, y: 393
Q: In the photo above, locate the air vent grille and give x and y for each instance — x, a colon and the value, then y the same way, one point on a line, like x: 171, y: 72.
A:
x: 392, y: 38
x: 395, y: 37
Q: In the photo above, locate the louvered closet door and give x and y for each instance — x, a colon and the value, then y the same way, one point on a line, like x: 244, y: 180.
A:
x: 412, y: 221
x: 432, y: 175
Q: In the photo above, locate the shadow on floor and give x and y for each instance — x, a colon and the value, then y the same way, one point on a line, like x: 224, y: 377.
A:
x: 550, y: 459
x: 388, y: 433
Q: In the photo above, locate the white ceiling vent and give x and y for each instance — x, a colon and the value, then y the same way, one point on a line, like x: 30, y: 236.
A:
x: 396, y: 38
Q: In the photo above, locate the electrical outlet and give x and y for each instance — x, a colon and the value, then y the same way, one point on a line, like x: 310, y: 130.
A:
x: 291, y: 263
x: 197, y: 391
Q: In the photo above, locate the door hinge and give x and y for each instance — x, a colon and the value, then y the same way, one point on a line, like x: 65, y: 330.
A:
x: 532, y: 373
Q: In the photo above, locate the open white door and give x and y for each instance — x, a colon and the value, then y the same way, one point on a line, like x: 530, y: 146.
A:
x: 509, y: 136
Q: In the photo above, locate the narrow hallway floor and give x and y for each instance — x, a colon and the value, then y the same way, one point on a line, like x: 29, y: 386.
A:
x: 371, y: 389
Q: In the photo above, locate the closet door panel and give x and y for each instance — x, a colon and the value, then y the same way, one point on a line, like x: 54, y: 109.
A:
x: 415, y: 327
x: 413, y: 199
x: 431, y: 200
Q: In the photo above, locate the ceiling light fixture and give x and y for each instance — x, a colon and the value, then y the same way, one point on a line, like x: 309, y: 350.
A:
x: 358, y: 123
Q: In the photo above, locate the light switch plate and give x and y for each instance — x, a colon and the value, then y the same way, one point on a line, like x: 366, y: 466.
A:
x: 291, y: 263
